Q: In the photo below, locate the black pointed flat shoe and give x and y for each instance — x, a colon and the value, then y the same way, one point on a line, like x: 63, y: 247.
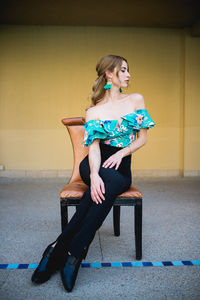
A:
x: 46, y: 266
x: 69, y: 272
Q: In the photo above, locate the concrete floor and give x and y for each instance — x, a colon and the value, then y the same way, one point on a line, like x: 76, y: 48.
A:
x: 30, y: 220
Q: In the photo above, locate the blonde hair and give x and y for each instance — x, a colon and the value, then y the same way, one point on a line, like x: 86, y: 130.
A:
x: 108, y: 62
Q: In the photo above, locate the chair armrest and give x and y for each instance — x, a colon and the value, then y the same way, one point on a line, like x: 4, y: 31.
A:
x: 73, y: 121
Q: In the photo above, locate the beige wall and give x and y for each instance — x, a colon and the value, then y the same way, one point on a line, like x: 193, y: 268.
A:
x: 192, y: 105
x: 47, y: 73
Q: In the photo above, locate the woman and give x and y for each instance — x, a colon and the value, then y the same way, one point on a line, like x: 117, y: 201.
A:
x: 112, y: 122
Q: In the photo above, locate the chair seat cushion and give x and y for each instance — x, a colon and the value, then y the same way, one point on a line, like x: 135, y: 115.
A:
x: 76, y: 190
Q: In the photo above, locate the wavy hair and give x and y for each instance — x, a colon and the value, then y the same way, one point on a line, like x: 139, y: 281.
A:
x: 108, y: 62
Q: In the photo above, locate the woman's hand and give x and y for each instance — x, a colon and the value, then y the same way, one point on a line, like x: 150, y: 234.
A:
x: 114, y: 159
x: 97, y: 188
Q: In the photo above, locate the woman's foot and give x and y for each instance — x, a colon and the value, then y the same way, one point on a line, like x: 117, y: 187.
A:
x: 69, y: 271
x: 46, y: 267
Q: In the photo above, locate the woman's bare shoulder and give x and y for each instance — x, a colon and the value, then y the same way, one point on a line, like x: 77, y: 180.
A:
x: 91, y: 113
x: 137, y: 100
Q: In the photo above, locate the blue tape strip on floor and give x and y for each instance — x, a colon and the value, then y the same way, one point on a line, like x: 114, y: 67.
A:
x: 115, y: 264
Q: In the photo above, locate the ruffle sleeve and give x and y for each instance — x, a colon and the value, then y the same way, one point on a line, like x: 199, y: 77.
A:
x: 97, y: 129
x: 139, y: 119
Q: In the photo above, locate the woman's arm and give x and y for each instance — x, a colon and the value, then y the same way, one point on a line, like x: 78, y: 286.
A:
x: 115, y: 159
x: 94, y: 157
x: 94, y: 150
x: 142, y: 134
x: 138, y: 143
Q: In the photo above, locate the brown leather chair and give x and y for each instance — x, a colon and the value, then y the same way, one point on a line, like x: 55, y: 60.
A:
x: 72, y: 192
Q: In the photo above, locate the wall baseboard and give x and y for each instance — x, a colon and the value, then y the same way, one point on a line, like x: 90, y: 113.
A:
x: 192, y: 173
x: 67, y: 173
x: 35, y: 173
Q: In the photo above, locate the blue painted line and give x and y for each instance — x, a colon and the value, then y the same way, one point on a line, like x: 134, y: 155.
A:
x: 3, y: 266
x: 95, y: 265
x: 85, y: 265
x: 195, y: 262
x: 137, y: 264
x: 177, y: 263
x: 23, y: 266
x: 187, y: 263
x: 157, y: 264
x: 32, y: 266
x: 106, y: 264
x: 126, y: 264
x: 114, y: 264
x: 12, y: 266
x: 147, y: 264
x: 167, y: 263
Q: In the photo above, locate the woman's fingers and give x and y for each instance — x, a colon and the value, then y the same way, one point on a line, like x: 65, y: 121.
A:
x: 98, y: 197
x: 97, y: 189
x: 117, y: 166
x: 95, y: 196
x: 112, y: 160
x: 97, y: 193
x: 112, y: 164
x: 107, y: 163
x: 100, y: 193
x: 102, y: 187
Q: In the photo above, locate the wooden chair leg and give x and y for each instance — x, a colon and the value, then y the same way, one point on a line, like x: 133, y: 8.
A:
x: 64, y: 214
x: 138, y: 230
x: 116, y: 220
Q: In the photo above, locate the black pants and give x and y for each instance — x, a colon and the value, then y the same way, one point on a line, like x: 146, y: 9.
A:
x: 80, y: 231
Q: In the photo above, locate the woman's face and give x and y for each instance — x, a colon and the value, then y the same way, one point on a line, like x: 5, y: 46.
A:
x: 123, y: 76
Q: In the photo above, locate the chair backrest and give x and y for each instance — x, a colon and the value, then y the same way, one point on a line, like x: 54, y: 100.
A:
x: 76, y: 132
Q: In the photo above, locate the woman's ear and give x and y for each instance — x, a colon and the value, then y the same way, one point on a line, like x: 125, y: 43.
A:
x: 108, y: 74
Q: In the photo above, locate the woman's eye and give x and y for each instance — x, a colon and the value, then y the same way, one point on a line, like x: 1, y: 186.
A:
x: 123, y: 71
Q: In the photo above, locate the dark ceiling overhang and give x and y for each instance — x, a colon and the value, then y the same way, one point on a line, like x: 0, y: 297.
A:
x: 136, y: 13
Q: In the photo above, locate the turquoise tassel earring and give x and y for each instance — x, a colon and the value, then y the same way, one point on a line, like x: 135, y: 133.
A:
x: 120, y: 90
x: 108, y: 85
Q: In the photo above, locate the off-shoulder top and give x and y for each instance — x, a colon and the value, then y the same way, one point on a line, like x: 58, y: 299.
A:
x: 118, y: 136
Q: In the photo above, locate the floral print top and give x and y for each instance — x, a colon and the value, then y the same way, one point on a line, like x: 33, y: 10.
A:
x: 109, y: 133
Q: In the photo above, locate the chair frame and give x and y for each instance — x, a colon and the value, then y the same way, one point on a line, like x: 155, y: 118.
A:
x: 119, y: 201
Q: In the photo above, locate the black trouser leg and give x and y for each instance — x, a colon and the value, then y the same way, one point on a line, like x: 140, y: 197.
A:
x: 81, y: 229
x: 73, y: 226
x: 115, y: 184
